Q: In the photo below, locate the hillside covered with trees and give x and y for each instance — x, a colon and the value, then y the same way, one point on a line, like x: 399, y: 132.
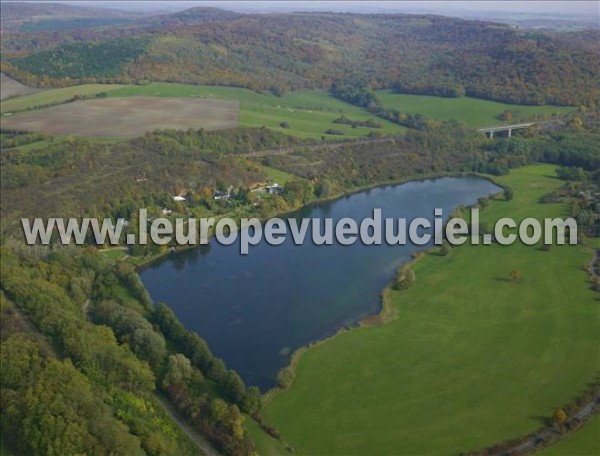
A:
x: 414, y: 54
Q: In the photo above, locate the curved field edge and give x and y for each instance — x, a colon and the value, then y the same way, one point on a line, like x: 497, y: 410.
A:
x: 583, y: 442
x: 471, y: 359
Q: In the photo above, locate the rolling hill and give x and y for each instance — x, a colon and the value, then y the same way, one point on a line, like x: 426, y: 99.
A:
x: 424, y: 54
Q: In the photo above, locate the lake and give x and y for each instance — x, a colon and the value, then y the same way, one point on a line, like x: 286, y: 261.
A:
x: 254, y: 310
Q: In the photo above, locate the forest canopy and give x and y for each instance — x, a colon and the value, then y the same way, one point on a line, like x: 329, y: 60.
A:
x: 413, y: 54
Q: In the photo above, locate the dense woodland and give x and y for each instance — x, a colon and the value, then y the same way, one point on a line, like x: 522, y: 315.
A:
x: 414, y: 54
x: 101, y: 335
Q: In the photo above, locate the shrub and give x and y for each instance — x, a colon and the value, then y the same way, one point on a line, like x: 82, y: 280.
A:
x: 285, y: 377
x: 446, y: 249
x: 404, y: 279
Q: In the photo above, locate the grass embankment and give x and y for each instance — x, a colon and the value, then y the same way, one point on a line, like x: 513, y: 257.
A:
x: 471, y: 358
x: 472, y: 111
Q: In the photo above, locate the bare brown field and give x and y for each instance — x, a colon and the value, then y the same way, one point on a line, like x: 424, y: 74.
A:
x: 111, y: 117
x: 10, y: 88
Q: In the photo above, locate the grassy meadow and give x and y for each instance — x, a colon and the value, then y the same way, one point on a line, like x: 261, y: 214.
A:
x: 472, y: 111
x: 471, y: 357
x: 54, y: 96
x: 281, y: 177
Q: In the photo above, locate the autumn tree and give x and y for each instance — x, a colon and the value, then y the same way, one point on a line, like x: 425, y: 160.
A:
x: 559, y: 416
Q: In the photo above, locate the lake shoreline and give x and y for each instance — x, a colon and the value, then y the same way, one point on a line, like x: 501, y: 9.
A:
x: 377, y: 305
x: 386, y: 312
x: 144, y: 264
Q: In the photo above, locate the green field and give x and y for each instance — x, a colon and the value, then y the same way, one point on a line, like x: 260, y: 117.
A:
x: 309, y: 112
x: 265, y: 444
x: 113, y: 254
x: 584, y: 442
x: 471, y: 358
x: 472, y: 111
x: 281, y: 177
x: 54, y: 96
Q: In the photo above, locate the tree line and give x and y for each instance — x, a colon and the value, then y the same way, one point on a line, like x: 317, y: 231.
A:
x: 88, y: 383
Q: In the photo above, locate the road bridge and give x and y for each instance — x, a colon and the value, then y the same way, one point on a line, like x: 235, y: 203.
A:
x: 489, y: 131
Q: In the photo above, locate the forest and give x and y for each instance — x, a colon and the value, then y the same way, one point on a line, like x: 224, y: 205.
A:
x: 104, y: 338
x: 279, y: 53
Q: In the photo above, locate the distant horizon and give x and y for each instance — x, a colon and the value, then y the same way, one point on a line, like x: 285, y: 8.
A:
x: 532, y: 9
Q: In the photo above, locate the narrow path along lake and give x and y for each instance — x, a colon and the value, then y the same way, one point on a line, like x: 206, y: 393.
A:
x: 254, y: 310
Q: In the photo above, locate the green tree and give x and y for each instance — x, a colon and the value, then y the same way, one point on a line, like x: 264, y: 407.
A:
x: 179, y: 370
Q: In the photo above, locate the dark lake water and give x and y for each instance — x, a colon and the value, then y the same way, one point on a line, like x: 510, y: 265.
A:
x: 254, y: 310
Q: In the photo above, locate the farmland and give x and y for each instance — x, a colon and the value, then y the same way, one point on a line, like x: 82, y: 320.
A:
x: 308, y: 113
x: 304, y: 113
x: 472, y: 111
x: 127, y: 116
x: 471, y: 357
x: 12, y: 88
x: 53, y: 96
